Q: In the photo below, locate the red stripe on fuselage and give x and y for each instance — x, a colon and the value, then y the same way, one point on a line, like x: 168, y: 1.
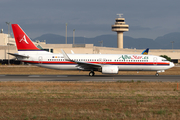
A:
x: 111, y: 63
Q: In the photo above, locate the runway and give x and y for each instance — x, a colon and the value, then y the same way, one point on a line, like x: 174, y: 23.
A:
x: 97, y: 78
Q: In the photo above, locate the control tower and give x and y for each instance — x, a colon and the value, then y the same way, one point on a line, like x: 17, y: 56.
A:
x: 120, y: 27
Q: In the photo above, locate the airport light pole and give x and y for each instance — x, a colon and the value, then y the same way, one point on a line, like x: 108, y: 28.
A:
x: 8, y: 23
x: 73, y: 36
x: 66, y: 33
x: 172, y: 43
x: 84, y: 39
x: 101, y: 43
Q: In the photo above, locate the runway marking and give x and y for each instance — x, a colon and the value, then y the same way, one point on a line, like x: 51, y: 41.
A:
x: 2, y: 75
x: 51, y: 76
x: 101, y: 79
x: 34, y: 76
x: 62, y: 76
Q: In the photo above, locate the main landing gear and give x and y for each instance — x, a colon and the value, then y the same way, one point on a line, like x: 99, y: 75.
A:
x: 157, y: 74
x: 91, y: 73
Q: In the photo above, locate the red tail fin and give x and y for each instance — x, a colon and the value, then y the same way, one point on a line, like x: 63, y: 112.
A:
x: 23, y: 42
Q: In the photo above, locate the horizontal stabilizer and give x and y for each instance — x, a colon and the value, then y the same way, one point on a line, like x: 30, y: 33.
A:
x: 18, y: 55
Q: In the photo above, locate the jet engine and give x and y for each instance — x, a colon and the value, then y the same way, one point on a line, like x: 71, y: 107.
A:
x: 110, y: 69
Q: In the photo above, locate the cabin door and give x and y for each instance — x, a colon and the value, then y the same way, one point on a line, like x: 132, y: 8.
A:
x: 155, y: 60
x: 40, y: 59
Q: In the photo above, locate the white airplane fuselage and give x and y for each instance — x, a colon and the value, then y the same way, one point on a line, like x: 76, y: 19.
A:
x: 125, y: 62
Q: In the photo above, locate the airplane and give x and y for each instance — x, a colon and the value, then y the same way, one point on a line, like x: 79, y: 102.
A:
x: 104, y: 63
x: 145, y: 52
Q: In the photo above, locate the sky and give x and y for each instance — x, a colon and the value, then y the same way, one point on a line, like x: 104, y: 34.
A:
x: 146, y: 19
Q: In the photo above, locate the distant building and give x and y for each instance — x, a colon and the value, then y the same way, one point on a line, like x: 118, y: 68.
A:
x: 4, y: 39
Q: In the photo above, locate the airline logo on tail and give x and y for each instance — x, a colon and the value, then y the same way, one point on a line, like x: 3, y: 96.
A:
x: 24, y: 39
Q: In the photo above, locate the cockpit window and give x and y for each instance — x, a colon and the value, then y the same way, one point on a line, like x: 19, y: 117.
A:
x: 164, y: 60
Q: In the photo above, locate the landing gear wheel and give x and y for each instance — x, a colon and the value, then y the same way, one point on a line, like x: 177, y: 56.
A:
x: 91, y: 74
x: 157, y: 74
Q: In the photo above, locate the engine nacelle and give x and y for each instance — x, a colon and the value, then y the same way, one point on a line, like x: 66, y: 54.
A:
x: 110, y: 69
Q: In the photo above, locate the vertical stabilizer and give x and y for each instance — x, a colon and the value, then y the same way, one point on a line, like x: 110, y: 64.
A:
x: 23, y: 42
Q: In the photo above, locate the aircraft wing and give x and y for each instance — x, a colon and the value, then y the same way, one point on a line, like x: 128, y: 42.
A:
x: 87, y: 66
x: 18, y: 55
x: 82, y: 65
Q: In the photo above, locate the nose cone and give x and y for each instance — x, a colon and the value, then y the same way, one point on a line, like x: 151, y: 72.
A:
x: 171, y: 64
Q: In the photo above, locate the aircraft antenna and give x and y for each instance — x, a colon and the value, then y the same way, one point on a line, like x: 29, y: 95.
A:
x: 120, y: 15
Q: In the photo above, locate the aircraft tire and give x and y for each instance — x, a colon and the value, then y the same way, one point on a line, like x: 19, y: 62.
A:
x: 157, y: 74
x: 91, y: 74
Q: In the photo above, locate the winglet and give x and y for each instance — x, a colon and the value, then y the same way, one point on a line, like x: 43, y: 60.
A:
x: 145, y: 52
x: 66, y: 57
x: 72, y: 52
